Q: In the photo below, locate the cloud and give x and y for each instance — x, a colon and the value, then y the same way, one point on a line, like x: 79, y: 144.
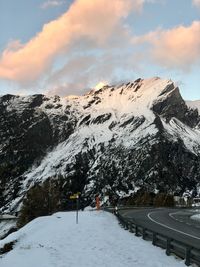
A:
x: 84, y: 19
x: 196, y: 3
x: 67, y: 88
x: 87, y: 44
x: 51, y: 3
x: 155, y: 1
x: 175, y: 48
x: 85, y: 71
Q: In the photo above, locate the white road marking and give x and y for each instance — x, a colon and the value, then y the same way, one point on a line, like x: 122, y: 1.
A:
x: 172, y: 213
x: 168, y: 227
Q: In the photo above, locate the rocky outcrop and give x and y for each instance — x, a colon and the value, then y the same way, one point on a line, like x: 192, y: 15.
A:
x: 175, y: 106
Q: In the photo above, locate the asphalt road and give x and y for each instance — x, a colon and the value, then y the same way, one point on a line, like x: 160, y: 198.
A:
x: 174, y: 223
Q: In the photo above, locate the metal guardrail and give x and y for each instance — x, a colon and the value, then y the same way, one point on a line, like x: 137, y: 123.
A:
x: 7, y: 217
x: 172, y: 246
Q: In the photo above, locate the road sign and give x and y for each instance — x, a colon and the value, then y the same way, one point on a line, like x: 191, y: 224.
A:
x: 74, y: 196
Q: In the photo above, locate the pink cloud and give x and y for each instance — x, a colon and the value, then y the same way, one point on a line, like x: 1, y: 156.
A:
x: 175, y: 48
x: 196, y: 3
x: 95, y: 20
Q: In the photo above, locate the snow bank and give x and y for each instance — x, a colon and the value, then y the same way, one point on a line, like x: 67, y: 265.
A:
x: 98, y: 240
x: 195, y: 217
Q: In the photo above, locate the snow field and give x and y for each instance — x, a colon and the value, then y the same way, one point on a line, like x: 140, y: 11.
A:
x: 98, y: 240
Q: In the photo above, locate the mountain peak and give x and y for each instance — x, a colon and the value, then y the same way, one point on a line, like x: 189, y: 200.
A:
x: 137, y: 97
x: 100, y: 85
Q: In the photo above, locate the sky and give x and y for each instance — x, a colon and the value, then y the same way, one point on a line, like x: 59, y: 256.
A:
x: 66, y: 47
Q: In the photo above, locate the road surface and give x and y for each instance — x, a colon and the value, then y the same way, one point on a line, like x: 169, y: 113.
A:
x: 174, y: 223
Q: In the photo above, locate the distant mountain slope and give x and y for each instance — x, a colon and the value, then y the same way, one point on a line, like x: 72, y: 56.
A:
x: 115, y: 139
x: 194, y: 104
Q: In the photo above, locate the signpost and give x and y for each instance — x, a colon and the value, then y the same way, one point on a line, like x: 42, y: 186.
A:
x: 76, y: 196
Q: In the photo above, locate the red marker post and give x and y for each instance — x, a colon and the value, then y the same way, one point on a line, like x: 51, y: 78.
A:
x: 97, y: 203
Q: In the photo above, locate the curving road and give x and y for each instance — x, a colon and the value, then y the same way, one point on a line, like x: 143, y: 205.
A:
x: 175, y: 223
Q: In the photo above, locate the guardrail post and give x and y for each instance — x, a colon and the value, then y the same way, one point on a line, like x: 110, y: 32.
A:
x: 143, y: 233
x: 120, y: 220
x: 154, y: 239
x: 168, y: 247
x: 187, y: 256
x: 136, y: 230
x: 130, y: 227
x: 124, y: 224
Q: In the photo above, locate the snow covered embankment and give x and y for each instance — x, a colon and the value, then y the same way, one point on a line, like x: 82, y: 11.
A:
x: 98, y: 240
x: 195, y: 217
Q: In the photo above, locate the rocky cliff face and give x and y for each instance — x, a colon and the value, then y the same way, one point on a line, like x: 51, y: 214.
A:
x: 115, y: 139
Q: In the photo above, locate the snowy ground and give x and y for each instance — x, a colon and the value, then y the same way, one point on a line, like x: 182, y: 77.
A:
x: 98, y: 240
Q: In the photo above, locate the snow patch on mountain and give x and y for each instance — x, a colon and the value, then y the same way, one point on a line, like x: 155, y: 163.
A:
x: 180, y: 131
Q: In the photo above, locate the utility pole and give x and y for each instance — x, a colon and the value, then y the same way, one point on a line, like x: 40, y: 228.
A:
x: 76, y: 197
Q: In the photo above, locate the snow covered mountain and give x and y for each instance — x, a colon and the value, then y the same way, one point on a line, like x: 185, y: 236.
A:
x: 115, y: 139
